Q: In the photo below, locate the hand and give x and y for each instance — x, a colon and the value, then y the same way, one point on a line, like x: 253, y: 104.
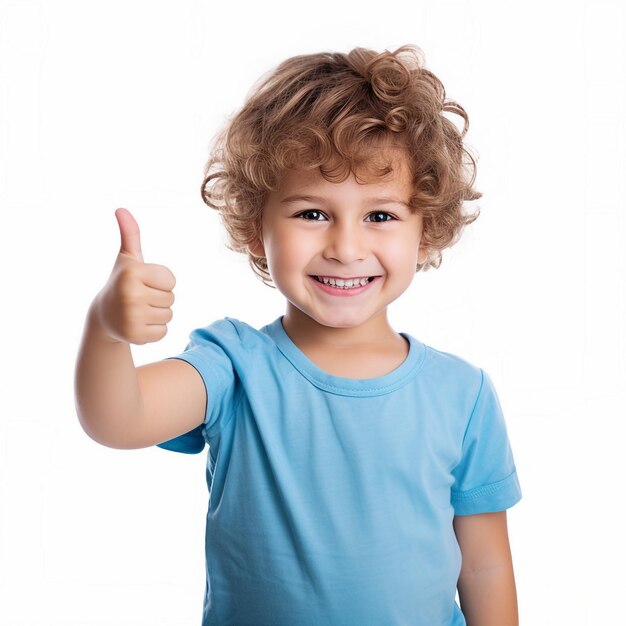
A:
x: 135, y: 304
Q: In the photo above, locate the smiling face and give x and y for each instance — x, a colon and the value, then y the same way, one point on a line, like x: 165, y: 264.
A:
x: 312, y: 227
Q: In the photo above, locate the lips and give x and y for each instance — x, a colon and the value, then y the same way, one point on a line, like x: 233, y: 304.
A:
x: 343, y: 292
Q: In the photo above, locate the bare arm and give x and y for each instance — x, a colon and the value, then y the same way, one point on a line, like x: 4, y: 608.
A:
x: 119, y: 405
x: 106, y: 388
x: 487, y: 583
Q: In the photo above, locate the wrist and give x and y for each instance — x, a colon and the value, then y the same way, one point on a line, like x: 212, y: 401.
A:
x: 94, y: 323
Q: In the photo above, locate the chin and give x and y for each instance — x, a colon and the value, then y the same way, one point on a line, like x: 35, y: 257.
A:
x: 337, y: 320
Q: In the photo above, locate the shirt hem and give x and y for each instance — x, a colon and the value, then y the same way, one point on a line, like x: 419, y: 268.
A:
x: 490, y: 498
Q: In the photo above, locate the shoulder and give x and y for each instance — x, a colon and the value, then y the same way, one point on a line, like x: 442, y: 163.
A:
x: 451, y: 371
x: 218, y: 327
x: 230, y: 334
x: 226, y: 329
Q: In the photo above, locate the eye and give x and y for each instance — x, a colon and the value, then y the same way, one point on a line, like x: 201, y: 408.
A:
x: 379, y: 213
x: 309, y: 211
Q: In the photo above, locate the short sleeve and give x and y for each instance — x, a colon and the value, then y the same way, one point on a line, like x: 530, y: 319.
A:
x: 208, y: 352
x: 485, y: 480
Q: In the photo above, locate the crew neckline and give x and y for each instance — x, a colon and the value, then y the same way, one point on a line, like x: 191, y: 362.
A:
x: 348, y: 386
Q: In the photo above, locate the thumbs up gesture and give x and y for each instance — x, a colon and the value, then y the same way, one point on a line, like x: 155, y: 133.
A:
x: 135, y: 304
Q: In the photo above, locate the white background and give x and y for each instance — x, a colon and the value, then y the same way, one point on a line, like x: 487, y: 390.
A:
x: 114, y: 104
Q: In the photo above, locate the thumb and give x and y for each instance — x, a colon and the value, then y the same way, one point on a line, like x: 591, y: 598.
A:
x: 129, y: 232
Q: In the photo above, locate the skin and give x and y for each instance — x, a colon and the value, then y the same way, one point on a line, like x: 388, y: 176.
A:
x: 487, y: 591
x: 343, y: 235
x: 346, y: 233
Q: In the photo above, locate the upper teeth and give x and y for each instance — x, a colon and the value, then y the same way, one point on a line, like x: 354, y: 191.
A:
x: 348, y: 282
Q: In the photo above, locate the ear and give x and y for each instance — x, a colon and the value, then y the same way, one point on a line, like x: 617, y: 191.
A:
x: 256, y: 248
x: 423, y: 254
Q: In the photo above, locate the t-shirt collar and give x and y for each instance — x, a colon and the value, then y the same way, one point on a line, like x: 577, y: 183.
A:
x: 348, y: 386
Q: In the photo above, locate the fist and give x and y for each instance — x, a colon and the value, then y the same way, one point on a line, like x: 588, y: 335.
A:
x: 135, y: 304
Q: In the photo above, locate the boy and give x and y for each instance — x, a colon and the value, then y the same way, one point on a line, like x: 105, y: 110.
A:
x: 357, y: 476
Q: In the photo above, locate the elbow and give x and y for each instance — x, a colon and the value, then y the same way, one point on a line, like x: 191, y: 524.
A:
x: 109, y: 438
x: 93, y: 433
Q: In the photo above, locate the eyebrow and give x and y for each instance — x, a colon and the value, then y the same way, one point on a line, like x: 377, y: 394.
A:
x: 307, y: 198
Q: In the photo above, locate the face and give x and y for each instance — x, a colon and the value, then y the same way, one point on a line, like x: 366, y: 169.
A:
x: 312, y: 227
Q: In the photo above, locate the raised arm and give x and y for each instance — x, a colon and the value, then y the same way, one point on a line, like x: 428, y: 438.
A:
x: 120, y: 405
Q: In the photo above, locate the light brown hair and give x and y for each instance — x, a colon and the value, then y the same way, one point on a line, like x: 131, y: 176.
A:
x: 335, y: 111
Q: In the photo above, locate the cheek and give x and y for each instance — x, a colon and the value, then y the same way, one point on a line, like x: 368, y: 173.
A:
x: 403, y: 256
x: 286, y: 254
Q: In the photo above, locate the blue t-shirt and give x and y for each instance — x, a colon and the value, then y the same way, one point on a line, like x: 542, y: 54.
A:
x: 332, y: 499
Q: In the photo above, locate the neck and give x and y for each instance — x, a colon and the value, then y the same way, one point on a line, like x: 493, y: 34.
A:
x: 304, y: 330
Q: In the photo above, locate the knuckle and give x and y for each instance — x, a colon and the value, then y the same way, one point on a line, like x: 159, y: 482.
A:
x: 127, y: 273
x: 163, y: 275
x: 169, y: 280
x: 168, y: 277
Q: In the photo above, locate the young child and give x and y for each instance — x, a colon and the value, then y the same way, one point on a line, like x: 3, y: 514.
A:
x: 357, y: 476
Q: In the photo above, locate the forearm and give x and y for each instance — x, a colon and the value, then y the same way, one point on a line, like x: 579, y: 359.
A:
x: 106, y: 387
x: 488, y: 597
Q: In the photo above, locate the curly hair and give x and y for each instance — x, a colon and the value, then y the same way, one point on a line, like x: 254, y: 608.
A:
x: 334, y: 111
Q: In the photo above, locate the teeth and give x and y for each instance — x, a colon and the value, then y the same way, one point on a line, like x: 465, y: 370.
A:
x: 350, y: 283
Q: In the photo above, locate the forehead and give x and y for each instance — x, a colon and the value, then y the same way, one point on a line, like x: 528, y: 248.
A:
x: 399, y: 179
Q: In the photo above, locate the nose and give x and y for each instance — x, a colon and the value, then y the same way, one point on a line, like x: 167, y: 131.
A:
x: 345, y: 243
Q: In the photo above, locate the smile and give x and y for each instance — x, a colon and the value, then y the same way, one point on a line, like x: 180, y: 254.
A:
x: 343, y: 291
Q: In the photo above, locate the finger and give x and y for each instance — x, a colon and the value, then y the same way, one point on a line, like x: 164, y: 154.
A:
x: 154, y: 332
x: 129, y: 233
x: 159, y: 298
x: 157, y: 316
x: 157, y: 276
